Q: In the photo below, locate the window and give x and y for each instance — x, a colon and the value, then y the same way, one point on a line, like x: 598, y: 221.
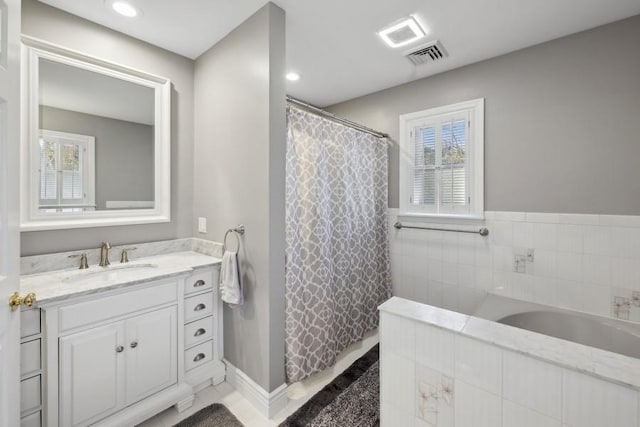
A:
x: 442, y: 161
x: 67, y: 171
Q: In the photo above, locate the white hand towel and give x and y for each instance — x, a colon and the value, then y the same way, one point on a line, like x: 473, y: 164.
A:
x: 231, y: 279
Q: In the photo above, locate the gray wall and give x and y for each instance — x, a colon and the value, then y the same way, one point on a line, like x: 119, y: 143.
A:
x: 123, y: 152
x: 561, y: 121
x: 240, y: 133
x: 56, y: 26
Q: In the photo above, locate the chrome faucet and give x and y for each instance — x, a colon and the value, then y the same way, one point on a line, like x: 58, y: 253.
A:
x: 104, y: 254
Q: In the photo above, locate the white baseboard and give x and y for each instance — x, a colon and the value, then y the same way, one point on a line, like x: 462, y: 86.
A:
x: 268, y: 404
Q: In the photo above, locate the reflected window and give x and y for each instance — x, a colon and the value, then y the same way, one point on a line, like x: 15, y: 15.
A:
x: 67, y: 172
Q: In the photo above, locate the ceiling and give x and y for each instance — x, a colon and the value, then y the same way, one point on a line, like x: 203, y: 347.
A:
x: 333, y: 44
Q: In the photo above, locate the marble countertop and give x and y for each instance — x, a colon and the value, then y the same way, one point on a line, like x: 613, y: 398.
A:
x: 603, y: 364
x: 58, y: 285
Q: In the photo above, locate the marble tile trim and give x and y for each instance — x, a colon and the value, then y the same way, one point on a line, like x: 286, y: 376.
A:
x: 61, y: 261
x: 598, y: 363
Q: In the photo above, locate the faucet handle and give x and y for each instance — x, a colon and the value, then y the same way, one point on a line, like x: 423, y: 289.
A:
x: 84, y: 264
x: 124, y: 257
x: 106, y: 245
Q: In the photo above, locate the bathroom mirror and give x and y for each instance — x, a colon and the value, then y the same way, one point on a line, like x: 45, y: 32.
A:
x: 96, y: 142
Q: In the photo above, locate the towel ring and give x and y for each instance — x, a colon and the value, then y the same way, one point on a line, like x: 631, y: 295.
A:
x: 236, y: 231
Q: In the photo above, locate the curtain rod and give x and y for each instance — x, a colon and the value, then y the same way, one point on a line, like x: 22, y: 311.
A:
x: 335, y: 118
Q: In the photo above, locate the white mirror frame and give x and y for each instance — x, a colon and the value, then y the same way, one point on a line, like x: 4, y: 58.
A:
x: 31, y: 219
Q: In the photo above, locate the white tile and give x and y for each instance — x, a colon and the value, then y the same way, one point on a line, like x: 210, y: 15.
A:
x: 435, y: 348
x: 478, y: 364
x: 502, y: 283
x: 620, y: 220
x: 537, y: 217
x: 597, y: 269
x: 434, y: 268
x: 397, y: 381
x: 570, y: 266
x: 545, y: 236
x: 434, y: 397
x: 466, y: 276
x: 570, y: 294
x: 391, y: 416
x: 545, y: 263
x: 597, y: 240
x: 505, y: 216
x: 579, y: 219
x: 475, y: 407
x: 522, y: 234
x: 397, y: 335
x: 589, y: 402
x: 501, y: 233
x: 522, y: 287
x: 597, y: 299
x: 483, y: 256
x: 434, y: 293
x: 532, y: 383
x: 545, y: 290
x: 570, y: 238
x: 450, y: 297
x: 502, y: 258
x: 514, y: 415
x: 483, y: 278
x: 449, y: 273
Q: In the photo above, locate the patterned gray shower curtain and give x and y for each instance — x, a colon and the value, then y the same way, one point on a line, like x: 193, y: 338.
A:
x: 336, y: 239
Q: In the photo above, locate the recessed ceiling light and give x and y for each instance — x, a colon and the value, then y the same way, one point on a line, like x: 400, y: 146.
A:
x: 125, y: 9
x: 293, y: 77
x: 403, y: 33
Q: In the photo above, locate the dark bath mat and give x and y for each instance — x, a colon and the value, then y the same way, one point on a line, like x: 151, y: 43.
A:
x: 351, y: 399
x: 215, y: 415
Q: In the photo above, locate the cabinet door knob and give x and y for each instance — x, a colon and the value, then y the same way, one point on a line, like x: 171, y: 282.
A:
x: 134, y: 344
x: 199, y: 307
x: 119, y: 349
x: 199, y: 283
x: 199, y: 357
x: 199, y: 332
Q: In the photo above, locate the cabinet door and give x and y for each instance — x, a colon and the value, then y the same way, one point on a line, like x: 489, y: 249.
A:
x: 152, y: 354
x: 91, y: 374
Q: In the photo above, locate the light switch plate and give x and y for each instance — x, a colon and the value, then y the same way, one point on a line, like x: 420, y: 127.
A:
x: 202, y: 225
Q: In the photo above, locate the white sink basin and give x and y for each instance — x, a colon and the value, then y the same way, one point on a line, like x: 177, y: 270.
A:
x: 107, y: 274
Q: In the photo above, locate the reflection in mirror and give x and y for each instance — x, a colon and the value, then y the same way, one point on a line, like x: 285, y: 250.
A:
x: 96, y: 146
x: 96, y: 150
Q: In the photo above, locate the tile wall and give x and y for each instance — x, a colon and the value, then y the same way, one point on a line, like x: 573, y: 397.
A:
x: 433, y: 377
x: 589, y: 263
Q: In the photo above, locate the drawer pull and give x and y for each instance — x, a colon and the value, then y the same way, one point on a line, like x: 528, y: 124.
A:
x: 199, y: 307
x: 119, y: 349
x: 199, y: 357
x: 134, y: 344
x: 199, y: 283
x: 199, y: 332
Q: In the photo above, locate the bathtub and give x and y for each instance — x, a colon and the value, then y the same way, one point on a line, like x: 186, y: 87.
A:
x: 613, y: 335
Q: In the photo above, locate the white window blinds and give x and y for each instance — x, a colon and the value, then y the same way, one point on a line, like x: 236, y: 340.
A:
x: 66, y: 170
x: 443, y: 171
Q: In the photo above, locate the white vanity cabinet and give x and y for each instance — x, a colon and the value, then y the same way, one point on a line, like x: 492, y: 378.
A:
x: 120, y: 355
x: 131, y: 359
x: 30, y: 368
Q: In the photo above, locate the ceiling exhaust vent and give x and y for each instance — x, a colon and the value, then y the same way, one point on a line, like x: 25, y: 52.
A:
x: 432, y: 51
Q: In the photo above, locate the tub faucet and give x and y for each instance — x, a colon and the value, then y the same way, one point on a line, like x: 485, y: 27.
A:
x: 104, y: 254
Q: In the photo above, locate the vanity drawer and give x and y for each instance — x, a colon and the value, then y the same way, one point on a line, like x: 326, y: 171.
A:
x: 30, y: 357
x: 30, y: 394
x: 199, y: 282
x: 198, y: 331
x: 198, y: 306
x: 29, y: 322
x: 198, y: 355
x: 106, y: 308
x: 33, y: 420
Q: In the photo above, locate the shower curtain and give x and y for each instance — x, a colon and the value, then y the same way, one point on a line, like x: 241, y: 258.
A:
x: 337, y: 269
